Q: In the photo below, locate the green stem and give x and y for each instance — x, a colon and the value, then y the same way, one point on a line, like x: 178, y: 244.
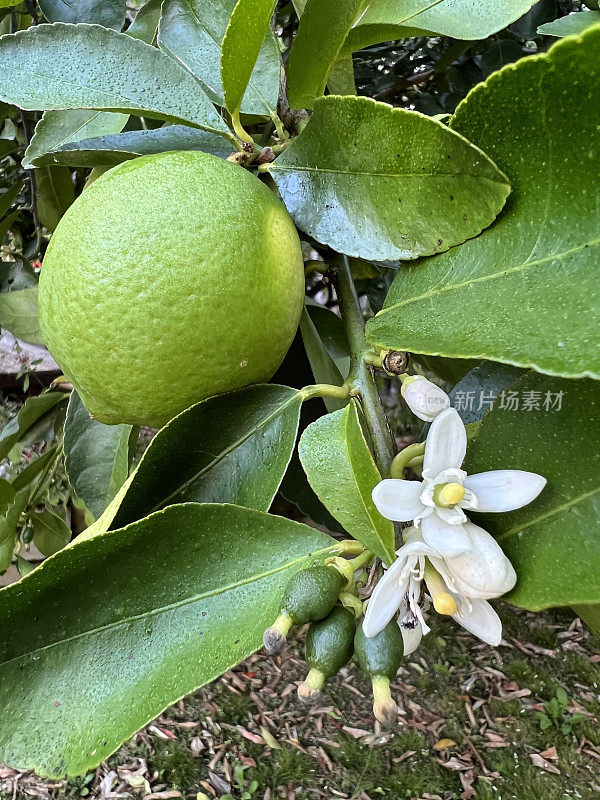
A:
x: 404, y: 457
x: 326, y: 390
x: 361, y: 377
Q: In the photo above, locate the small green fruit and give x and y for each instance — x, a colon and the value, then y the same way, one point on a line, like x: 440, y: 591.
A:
x: 173, y: 277
x: 309, y: 596
x: 380, y: 657
x: 329, y: 645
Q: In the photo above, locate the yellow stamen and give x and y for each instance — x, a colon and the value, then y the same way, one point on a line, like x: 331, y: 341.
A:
x: 443, y: 602
x: 452, y: 493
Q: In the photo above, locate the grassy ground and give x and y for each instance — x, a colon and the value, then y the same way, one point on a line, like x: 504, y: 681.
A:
x: 246, y: 736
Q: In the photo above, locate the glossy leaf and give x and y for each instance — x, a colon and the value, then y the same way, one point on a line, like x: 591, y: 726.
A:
x: 553, y: 542
x: 55, y: 193
x: 333, y: 335
x: 341, y: 77
x: 575, y: 23
x: 64, y: 66
x: 420, y: 190
x: 19, y: 314
x: 50, y: 532
x: 244, y: 37
x: 192, y: 31
x: 97, y: 456
x: 483, y: 386
x: 323, y: 366
x: 525, y: 291
x: 88, y: 657
x: 34, y: 409
x: 384, y: 21
x: 58, y: 128
x: 106, y: 151
x: 8, y: 528
x: 145, y: 24
x: 110, y: 13
x: 9, y: 197
x: 590, y: 615
x: 232, y: 448
x: 323, y: 28
x: 341, y: 470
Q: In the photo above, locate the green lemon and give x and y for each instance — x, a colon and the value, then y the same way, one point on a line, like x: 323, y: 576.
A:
x: 173, y: 277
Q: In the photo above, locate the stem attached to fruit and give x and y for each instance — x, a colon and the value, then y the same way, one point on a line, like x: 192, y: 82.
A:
x: 361, y: 378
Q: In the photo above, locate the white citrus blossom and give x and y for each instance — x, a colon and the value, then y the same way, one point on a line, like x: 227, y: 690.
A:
x: 424, y: 398
x: 437, y: 503
x: 458, y: 586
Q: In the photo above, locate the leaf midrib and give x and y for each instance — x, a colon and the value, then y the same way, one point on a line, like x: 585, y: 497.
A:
x: 491, y: 277
x: 360, y: 174
x: 558, y: 510
x: 171, y: 606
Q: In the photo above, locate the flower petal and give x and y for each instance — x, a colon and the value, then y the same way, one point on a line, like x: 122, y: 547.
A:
x: 504, y: 489
x: 424, y: 398
x: 398, y: 500
x: 482, y: 621
x: 411, y: 637
x: 446, y: 444
x: 386, y: 598
x: 482, y: 571
x: 448, y: 540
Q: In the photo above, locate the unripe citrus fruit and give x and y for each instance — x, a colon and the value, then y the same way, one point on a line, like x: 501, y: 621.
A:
x: 173, y: 277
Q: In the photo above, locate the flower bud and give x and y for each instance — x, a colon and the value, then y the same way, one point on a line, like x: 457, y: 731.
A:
x: 424, y: 398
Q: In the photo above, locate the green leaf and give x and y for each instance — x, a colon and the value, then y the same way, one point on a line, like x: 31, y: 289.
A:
x: 8, y: 530
x: 106, y: 151
x: 19, y: 314
x: 341, y: 77
x: 575, y: 23
x: 30, y: 413
x: 145, y: 24
x: 202, y: 584
x: 55, y: 193
x: 385, y: 21
x: 496, y: 297
x: 97, y: 456
x: 192, y: 31
x: 34, y: 468
x: 7, y: 146
x: 7, y: 495
x: 64, y: 66
x: 420, y: 190
x: 232, y: 448
x: 240, y: 48
x: 590, y: 615
x: 323, y: 28
x: 9, y: 197
x: 322, y: 364
x: 552, y: 542
x: 58, y: 128
x: 341, y: 470
x: 481, y: 388
x: 9, y: 3
x: 50, y: 532
x: 110, y: 13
